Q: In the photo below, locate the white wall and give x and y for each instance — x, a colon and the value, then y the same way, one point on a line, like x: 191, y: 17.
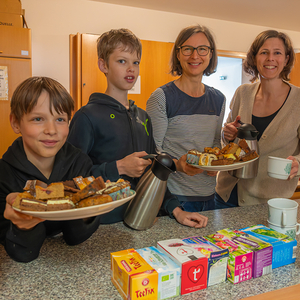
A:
x: 52, y: 21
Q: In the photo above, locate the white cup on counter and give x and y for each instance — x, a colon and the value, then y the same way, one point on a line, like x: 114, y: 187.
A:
x: 291, y: 231
x: 282, y: 212
x: 279, y: 168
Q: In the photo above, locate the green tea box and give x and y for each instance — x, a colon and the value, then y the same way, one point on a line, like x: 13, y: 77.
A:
x: 168, y: 272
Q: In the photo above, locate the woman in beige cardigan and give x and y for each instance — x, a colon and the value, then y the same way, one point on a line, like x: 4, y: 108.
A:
x: 272, y: 105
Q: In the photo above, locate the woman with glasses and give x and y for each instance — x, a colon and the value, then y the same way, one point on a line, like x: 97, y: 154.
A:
x: 187, y: 114
x: 272, y: 105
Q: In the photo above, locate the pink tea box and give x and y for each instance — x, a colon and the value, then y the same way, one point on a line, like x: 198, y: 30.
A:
x: 239, y: 266
x: 192, y: 262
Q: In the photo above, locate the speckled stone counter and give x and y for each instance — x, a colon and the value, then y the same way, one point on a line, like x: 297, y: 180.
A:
x: 83, y: 271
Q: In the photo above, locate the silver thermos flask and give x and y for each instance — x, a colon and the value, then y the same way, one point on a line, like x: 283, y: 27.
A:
x: 249, y: 133
x: 150, y: 191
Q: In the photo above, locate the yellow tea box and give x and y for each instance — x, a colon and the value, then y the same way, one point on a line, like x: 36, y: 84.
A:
x: 133, y: 277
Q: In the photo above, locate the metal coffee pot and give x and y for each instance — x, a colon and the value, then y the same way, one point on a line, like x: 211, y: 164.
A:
x: 249, y: 133
x: 150, y: 191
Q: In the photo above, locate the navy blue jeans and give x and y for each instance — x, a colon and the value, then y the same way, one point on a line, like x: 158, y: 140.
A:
x: 232, y: 201
x: 196, y: 206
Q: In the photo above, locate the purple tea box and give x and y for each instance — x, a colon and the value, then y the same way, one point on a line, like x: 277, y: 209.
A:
x: 217, y: 258
x: 262, y: 251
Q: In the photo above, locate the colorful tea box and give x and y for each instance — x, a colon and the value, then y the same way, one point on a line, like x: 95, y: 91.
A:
x: 217, y: 258
x: 168, y: 272
x: 133, y: 277
x: 192, y: 262
x: 284, y: 247
x: 239, y: 266
x: 262, y: 251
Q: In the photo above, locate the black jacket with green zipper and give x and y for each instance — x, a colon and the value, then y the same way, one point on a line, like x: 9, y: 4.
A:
x: 107, y: 132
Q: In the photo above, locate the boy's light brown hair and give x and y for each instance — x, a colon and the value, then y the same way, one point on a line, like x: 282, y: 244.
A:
x: 116, y: 38
x: 26, y: 95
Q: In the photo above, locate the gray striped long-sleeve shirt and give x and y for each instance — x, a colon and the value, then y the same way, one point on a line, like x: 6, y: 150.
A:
x: 181, y: 123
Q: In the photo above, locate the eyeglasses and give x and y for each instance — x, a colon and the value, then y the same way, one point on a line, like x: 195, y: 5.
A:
x: 189, y: 50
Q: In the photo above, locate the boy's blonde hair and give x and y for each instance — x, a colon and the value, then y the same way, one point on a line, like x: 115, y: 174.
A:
x: 26, y: 95
x: 116, y: 38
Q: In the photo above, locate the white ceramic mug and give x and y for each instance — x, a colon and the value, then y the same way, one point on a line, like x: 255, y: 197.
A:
x: 291, y: 231
x: 282, y: 212
x: 279, y: 168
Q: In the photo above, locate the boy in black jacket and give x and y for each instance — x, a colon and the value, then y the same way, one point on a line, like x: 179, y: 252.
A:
x: 40, y: 111
x: 113, y: 131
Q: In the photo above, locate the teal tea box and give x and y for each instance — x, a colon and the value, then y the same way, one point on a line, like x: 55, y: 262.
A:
x: 168, y: 272
x: 217, y: 258
x: 284, y: 247
x: 262, y: 251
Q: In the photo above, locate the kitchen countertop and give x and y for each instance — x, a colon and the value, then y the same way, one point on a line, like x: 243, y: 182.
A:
x: 83, y: 271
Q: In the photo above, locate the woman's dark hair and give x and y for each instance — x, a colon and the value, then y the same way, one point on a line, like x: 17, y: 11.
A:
x: 250, y: 62
x: 185, y: 34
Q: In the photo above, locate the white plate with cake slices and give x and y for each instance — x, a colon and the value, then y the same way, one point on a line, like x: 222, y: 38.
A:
x: 78, y: 213
x: 233, y: 166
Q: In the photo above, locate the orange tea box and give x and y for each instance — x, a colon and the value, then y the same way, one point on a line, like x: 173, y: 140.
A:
x: 133, y: 277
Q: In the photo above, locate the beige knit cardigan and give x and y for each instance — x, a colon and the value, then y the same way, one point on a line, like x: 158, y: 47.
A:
x: 280, y: 139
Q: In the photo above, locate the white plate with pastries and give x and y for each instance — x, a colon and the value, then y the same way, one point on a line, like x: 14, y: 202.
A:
x: 78, y: 213
x: 230, y: 167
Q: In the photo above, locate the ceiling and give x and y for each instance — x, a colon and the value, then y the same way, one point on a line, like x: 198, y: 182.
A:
x: 283, y: 14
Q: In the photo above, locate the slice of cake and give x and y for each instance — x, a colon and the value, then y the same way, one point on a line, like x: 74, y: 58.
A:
x: 20, y: 196
x: 53, y: 190
x: 79, y: 182
x: 94, y: 200
x: 89, y: 190
x: 33, y: 205
x: 59, y: 204
x: 249, y: 156
x: 31, y: 184
x: 118, y: 190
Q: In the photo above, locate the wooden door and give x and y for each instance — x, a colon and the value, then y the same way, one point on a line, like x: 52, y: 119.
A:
x: 295, y: 74
x: 17, y: 71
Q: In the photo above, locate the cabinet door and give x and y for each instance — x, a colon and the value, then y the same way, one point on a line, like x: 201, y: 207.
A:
x: 93, y: 80
x: 295, y: 74
x: 17, y: 71
x: 15, y: 42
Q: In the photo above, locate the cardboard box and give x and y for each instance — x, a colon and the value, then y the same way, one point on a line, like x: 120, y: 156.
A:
x: 284, y: 247
x: 192, y: 262
x: 239, y: 266
x: 217, y: 258
x: 262, y: 251
x: 133, y: 277
x: 11, y: 6
x: 168, y: 272
x: 14, y: 20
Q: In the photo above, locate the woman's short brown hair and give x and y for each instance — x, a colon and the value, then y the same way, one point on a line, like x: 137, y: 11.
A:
x: 185, y: 34
x: 250, y: 62
x: 116, y: 38
x: 26, y: 96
